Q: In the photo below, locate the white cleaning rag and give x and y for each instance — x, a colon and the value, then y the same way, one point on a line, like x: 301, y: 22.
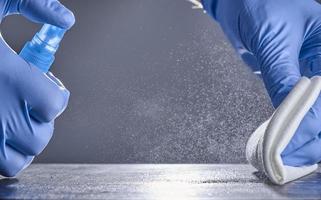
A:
x: 264, y: 148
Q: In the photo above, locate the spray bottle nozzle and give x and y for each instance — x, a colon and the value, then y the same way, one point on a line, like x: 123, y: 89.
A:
x: 40, y: 51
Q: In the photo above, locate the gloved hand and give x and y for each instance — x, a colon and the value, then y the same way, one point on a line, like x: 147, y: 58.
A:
x: 30, y: 100
x: 282, y: 39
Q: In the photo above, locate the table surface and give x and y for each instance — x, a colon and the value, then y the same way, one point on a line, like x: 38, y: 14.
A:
x: 83, y: 181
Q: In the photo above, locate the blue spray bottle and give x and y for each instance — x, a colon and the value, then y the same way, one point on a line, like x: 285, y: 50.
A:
x: 40, y: 51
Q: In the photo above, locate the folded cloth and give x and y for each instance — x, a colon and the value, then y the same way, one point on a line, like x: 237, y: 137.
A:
x: 264, y: 148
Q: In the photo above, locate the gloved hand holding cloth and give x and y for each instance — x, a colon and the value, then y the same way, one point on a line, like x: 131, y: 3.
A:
x: 281, y: 39
x: 30, y: 99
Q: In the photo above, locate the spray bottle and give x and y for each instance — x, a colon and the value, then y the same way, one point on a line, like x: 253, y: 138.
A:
x: 40, y: 51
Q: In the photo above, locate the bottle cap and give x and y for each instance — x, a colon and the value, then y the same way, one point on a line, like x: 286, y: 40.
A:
x: 40, y: 51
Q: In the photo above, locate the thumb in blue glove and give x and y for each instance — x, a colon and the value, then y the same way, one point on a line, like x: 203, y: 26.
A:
x: 273, y: 36
x: 30, y: 99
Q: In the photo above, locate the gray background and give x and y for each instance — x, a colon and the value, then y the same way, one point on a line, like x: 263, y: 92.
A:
x: 152, y: 82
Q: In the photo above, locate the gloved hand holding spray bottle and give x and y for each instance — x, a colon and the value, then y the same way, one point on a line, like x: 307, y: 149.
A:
x: 31, y: 97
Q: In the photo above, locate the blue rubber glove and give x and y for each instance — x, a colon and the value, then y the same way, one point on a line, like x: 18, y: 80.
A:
x: 282, y: 40
x: 30, y: 100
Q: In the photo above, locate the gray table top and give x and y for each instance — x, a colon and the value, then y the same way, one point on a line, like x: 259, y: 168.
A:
x: 83, y: 181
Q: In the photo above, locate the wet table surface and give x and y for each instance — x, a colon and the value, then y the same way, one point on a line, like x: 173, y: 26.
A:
x: 82, y: 181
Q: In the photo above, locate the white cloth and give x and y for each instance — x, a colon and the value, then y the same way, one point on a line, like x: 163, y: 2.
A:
x: 264, y: 148
x: 197, y: 4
